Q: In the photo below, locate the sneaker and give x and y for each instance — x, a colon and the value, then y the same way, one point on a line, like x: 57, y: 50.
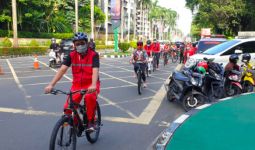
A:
x: 144, y: 85
x: 91, y: 127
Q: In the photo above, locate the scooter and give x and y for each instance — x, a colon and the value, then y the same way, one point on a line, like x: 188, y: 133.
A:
x: 248, y: 79
x: 233, y: 83
x: 185, y: 88
x: 54, y: 60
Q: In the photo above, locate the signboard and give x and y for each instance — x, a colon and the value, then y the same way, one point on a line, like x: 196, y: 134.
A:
x: 205, y: 32
x: 115, y: 13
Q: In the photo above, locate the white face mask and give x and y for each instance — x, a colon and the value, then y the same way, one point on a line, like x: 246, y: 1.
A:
x: 82, y: 48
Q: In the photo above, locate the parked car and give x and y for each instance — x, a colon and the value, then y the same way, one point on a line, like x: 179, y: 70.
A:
x: 207, y: 43
x: 220, y: 53
x: 66, y: 46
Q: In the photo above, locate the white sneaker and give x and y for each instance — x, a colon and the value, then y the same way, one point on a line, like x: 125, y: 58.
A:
x: 144, y: 85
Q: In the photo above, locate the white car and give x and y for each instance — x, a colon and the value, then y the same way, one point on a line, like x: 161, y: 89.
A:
x: 220, y: 53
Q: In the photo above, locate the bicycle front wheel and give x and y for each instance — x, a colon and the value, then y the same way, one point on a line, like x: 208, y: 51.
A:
x: 93, y: 136
x: 139, y: 83
x: 63, y: 135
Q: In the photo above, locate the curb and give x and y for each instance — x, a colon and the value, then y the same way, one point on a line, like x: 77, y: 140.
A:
x: 164, y: 137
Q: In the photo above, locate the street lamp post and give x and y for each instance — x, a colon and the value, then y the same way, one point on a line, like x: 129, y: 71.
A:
x: 14, y: 23
x: 92, y: 17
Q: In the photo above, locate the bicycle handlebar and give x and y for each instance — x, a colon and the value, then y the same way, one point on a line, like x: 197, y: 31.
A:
x: 56, y: 91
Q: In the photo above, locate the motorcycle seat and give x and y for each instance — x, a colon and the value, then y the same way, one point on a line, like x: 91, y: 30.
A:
x: 180, y: 76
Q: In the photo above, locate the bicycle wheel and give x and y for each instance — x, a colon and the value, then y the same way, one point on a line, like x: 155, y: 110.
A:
x: 174, y: 58
x: 154, y: 64
x: 93, y: 136
x: 63, y: 135
x: 139, y: 83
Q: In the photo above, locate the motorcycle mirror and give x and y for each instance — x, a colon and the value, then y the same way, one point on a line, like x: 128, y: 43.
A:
x: 205, y: 58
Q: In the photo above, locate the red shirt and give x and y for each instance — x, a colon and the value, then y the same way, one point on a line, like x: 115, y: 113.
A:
x: 148, y: 49
x: 156, y: 47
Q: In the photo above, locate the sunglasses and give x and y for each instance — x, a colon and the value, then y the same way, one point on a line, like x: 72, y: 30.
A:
x: 139, y: 44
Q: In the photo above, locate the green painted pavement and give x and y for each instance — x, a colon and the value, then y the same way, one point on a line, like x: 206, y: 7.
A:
x: 227, y: 125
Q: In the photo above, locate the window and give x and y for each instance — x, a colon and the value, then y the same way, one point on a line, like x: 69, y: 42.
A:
x: 221, y: 47
x: 247, y: 47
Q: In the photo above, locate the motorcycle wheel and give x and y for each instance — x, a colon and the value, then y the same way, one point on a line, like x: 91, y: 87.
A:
x: 235, y: 90
x: 170, y: 96
x: 247, y: 87
x: 190, y: 101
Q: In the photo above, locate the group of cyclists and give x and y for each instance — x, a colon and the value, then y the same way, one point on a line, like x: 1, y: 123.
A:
x: 141, y: 55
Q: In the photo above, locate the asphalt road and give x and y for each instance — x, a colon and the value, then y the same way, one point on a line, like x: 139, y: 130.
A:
x: 131, y: 121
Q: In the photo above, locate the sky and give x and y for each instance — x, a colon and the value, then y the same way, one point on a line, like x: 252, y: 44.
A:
x: 185, y: 15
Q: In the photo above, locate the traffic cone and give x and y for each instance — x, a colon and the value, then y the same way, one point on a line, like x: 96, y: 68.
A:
x: 1, y: 71
x: 36, y: 63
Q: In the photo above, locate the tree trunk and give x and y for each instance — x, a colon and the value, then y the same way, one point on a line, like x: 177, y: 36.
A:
x: 14, y: 23
x: 135, y: 20
x: 106, y: 20
x: 92, y: 18
x: 76, y: 16
x: 129, y: 11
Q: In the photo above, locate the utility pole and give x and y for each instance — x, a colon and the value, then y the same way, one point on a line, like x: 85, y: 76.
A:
x: 106, y: 20
x: 14, y: 24
x: 76, y: 16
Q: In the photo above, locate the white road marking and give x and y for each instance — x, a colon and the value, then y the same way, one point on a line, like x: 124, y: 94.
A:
x: 28, y: 112
x: 129, y: 101
x: 42, y: 76
x: 117, y: 106
x: 45, y: 83
x: 19, y: 85
x: 181, y: 119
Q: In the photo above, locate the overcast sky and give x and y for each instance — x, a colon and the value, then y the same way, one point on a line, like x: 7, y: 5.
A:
x: 185, y: 16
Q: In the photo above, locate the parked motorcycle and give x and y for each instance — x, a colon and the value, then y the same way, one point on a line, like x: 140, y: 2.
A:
x: 247, y: 80
x: 185, y: 88
x: 233, y: 83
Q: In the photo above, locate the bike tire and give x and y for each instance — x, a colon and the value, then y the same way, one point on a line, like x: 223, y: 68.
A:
x: 97, y: 128
x: 174, y: 59
x: 139, y: 83
x: 63, y: 122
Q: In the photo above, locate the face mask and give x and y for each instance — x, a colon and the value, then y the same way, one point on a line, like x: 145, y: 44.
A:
x: 82, y: 48
x: 139, y: 47
x: 148, y: 45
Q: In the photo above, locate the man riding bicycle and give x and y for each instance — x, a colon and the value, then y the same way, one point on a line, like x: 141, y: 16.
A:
x: 85, y: 70
x: 148, y: 48
x: 139, y: 59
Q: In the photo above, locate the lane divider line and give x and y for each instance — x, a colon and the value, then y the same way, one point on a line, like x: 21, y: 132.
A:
x: 20, y: 85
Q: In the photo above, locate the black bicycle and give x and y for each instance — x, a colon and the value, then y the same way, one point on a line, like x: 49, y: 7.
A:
x: 165, y: 57
x: 139, y: 77
x: 174, y: 56
x: 66, y: 129
x: 154, y: 62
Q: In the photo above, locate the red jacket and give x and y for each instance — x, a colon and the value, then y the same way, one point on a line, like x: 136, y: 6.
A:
x: 82, y: 69
x: 148, y: 49
x: 156, y: 47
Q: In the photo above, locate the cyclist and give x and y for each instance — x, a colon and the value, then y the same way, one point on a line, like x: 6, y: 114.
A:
x: 85, y: 71
x: 148, y: 48
x: 139, y: 58
x: 166, y: 50
x: 156, y: 50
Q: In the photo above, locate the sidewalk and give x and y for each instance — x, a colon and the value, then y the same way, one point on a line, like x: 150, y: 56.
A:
x: 227, y: 125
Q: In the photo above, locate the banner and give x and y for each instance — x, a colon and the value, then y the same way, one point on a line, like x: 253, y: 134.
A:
x: 115, y: 13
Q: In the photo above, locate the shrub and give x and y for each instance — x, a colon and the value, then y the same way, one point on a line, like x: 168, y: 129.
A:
x: 124, y: 46
x: 6, y: 42
x: 33, y: 43
x: 7, y: 51
x: 100, y: 47
x: 133, y: 44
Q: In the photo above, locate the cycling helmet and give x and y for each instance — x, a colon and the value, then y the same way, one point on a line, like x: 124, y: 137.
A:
x: 233, y: 58
x: 203, y: 64
x: 139, y: 43
x: 246, y: 57
x: 80, y: 36
x: 201, y: 70
x: 148, y: 42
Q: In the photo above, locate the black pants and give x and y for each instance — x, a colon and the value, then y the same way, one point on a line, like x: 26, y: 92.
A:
x: 142, y: 67
x: 181, y: 58
x: 157, y: 58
